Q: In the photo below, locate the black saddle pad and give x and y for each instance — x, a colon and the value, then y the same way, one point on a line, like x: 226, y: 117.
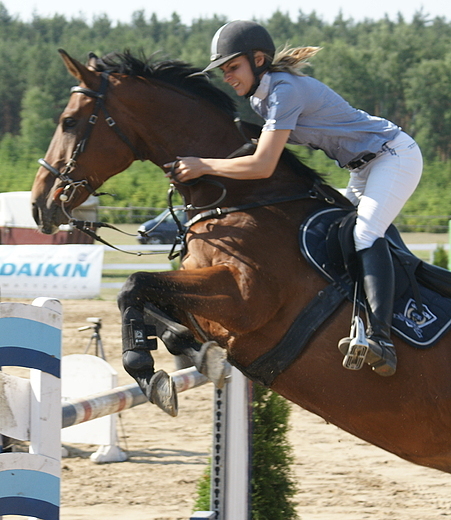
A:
x: 421, y: 330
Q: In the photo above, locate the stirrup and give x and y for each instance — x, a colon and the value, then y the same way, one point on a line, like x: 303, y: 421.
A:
x: 354, y: 348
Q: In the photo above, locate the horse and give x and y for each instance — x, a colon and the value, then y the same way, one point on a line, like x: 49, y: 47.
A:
x: 242, y: 280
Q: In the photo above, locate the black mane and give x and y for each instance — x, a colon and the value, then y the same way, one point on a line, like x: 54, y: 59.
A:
x: 174, y: 72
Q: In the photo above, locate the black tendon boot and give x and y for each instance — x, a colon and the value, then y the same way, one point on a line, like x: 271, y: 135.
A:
x: 378, y: 282
x: 158, y: 387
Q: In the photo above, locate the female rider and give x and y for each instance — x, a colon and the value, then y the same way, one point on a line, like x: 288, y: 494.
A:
x: 385, y: 164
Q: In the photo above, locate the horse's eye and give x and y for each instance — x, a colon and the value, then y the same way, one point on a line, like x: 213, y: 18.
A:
x: 69, y: 122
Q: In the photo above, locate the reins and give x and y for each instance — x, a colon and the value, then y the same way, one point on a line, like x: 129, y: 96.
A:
x: 87, y: 228
x: 315, y: 193
x: 217, y: 212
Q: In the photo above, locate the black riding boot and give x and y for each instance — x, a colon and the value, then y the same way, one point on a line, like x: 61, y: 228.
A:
x: 158, y: 387
x: 379, y: 286
x: 379, y: 283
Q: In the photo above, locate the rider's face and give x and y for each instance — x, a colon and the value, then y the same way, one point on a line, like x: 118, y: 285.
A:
x: 238, y: 74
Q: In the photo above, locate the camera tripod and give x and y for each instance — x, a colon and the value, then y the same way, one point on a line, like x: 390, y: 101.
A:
x: 96, y: 325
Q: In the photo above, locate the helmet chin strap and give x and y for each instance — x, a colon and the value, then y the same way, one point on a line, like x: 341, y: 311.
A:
x: 256, y: 71
x: 253, y: 89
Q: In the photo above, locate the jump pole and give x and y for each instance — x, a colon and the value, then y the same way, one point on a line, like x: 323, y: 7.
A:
x: 76, y: 411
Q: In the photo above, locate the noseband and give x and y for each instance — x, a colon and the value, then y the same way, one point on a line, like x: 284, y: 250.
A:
x: 66, y: 193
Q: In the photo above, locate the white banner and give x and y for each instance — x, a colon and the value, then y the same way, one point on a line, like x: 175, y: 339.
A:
x: 70, y: 271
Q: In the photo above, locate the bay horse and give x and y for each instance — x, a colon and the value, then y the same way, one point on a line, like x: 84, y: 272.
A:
x: 243, y: 280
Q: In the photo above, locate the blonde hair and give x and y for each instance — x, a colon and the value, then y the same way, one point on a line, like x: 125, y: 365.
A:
x: 292, y: 60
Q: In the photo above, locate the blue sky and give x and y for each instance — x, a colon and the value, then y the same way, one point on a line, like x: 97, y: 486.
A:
x: 232, y: 9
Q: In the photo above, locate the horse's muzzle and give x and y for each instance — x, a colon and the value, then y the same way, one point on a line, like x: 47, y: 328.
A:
x: 48, y: 220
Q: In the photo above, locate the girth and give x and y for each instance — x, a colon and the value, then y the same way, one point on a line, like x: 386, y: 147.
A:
x: 268, y: 366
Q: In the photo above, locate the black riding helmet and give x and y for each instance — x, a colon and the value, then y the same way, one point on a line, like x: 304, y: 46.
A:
x: 240, y: 37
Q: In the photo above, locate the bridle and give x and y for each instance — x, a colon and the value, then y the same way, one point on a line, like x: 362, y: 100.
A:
x: 66, y: 193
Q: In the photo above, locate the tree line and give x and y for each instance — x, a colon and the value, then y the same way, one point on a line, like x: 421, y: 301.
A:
x: 396, y: 69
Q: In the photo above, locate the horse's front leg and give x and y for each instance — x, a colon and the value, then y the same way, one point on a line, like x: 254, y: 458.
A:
x: 142, y: 320
x: 138, y: 340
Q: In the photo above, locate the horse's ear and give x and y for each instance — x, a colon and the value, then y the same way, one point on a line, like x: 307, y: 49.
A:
x: 77, y: 70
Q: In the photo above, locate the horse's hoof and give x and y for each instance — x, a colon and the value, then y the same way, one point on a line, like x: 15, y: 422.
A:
x: 162, y: 392
x: 381, y: 357
x: 211, y: 361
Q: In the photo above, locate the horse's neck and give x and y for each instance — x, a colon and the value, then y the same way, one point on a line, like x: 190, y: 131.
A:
x: 172, y: 123
x: 182, y: 125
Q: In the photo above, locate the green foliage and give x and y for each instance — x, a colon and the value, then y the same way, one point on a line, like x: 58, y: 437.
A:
x: 18, y: 166
x: 429, y: 89
x: 37, y: 126
x: 273, y: 486
x: 203, y: 487
x: 441, y: 257
x: 394, y: 69
x: 143, y: 184
x: 432, y: 197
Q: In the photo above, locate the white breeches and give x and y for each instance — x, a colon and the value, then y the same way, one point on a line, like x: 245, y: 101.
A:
x: 380, y: 188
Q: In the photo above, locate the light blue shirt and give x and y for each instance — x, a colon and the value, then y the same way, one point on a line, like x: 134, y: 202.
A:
x: 319, y: 118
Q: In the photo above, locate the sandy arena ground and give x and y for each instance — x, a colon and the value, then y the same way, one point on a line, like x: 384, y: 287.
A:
x: 339, y: 477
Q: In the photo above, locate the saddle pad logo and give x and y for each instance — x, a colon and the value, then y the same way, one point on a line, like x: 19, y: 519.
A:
x: 414, y: 319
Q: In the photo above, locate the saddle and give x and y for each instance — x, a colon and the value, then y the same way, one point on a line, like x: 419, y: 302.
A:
x: 422, y: 308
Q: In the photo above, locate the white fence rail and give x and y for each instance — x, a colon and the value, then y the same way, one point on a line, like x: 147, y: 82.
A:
x: 165, y: 248
x: 133, y: 267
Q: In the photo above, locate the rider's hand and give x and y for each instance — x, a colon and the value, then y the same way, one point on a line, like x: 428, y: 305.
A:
x: 184, y: 169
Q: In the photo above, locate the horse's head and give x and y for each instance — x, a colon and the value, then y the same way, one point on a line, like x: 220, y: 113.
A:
x: 126, y: 108
x: 79, y: 159
x: 123, y: 110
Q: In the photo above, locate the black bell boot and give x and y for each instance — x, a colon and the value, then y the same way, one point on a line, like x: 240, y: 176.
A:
x: 378, y: 282
x: 158, y: 387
